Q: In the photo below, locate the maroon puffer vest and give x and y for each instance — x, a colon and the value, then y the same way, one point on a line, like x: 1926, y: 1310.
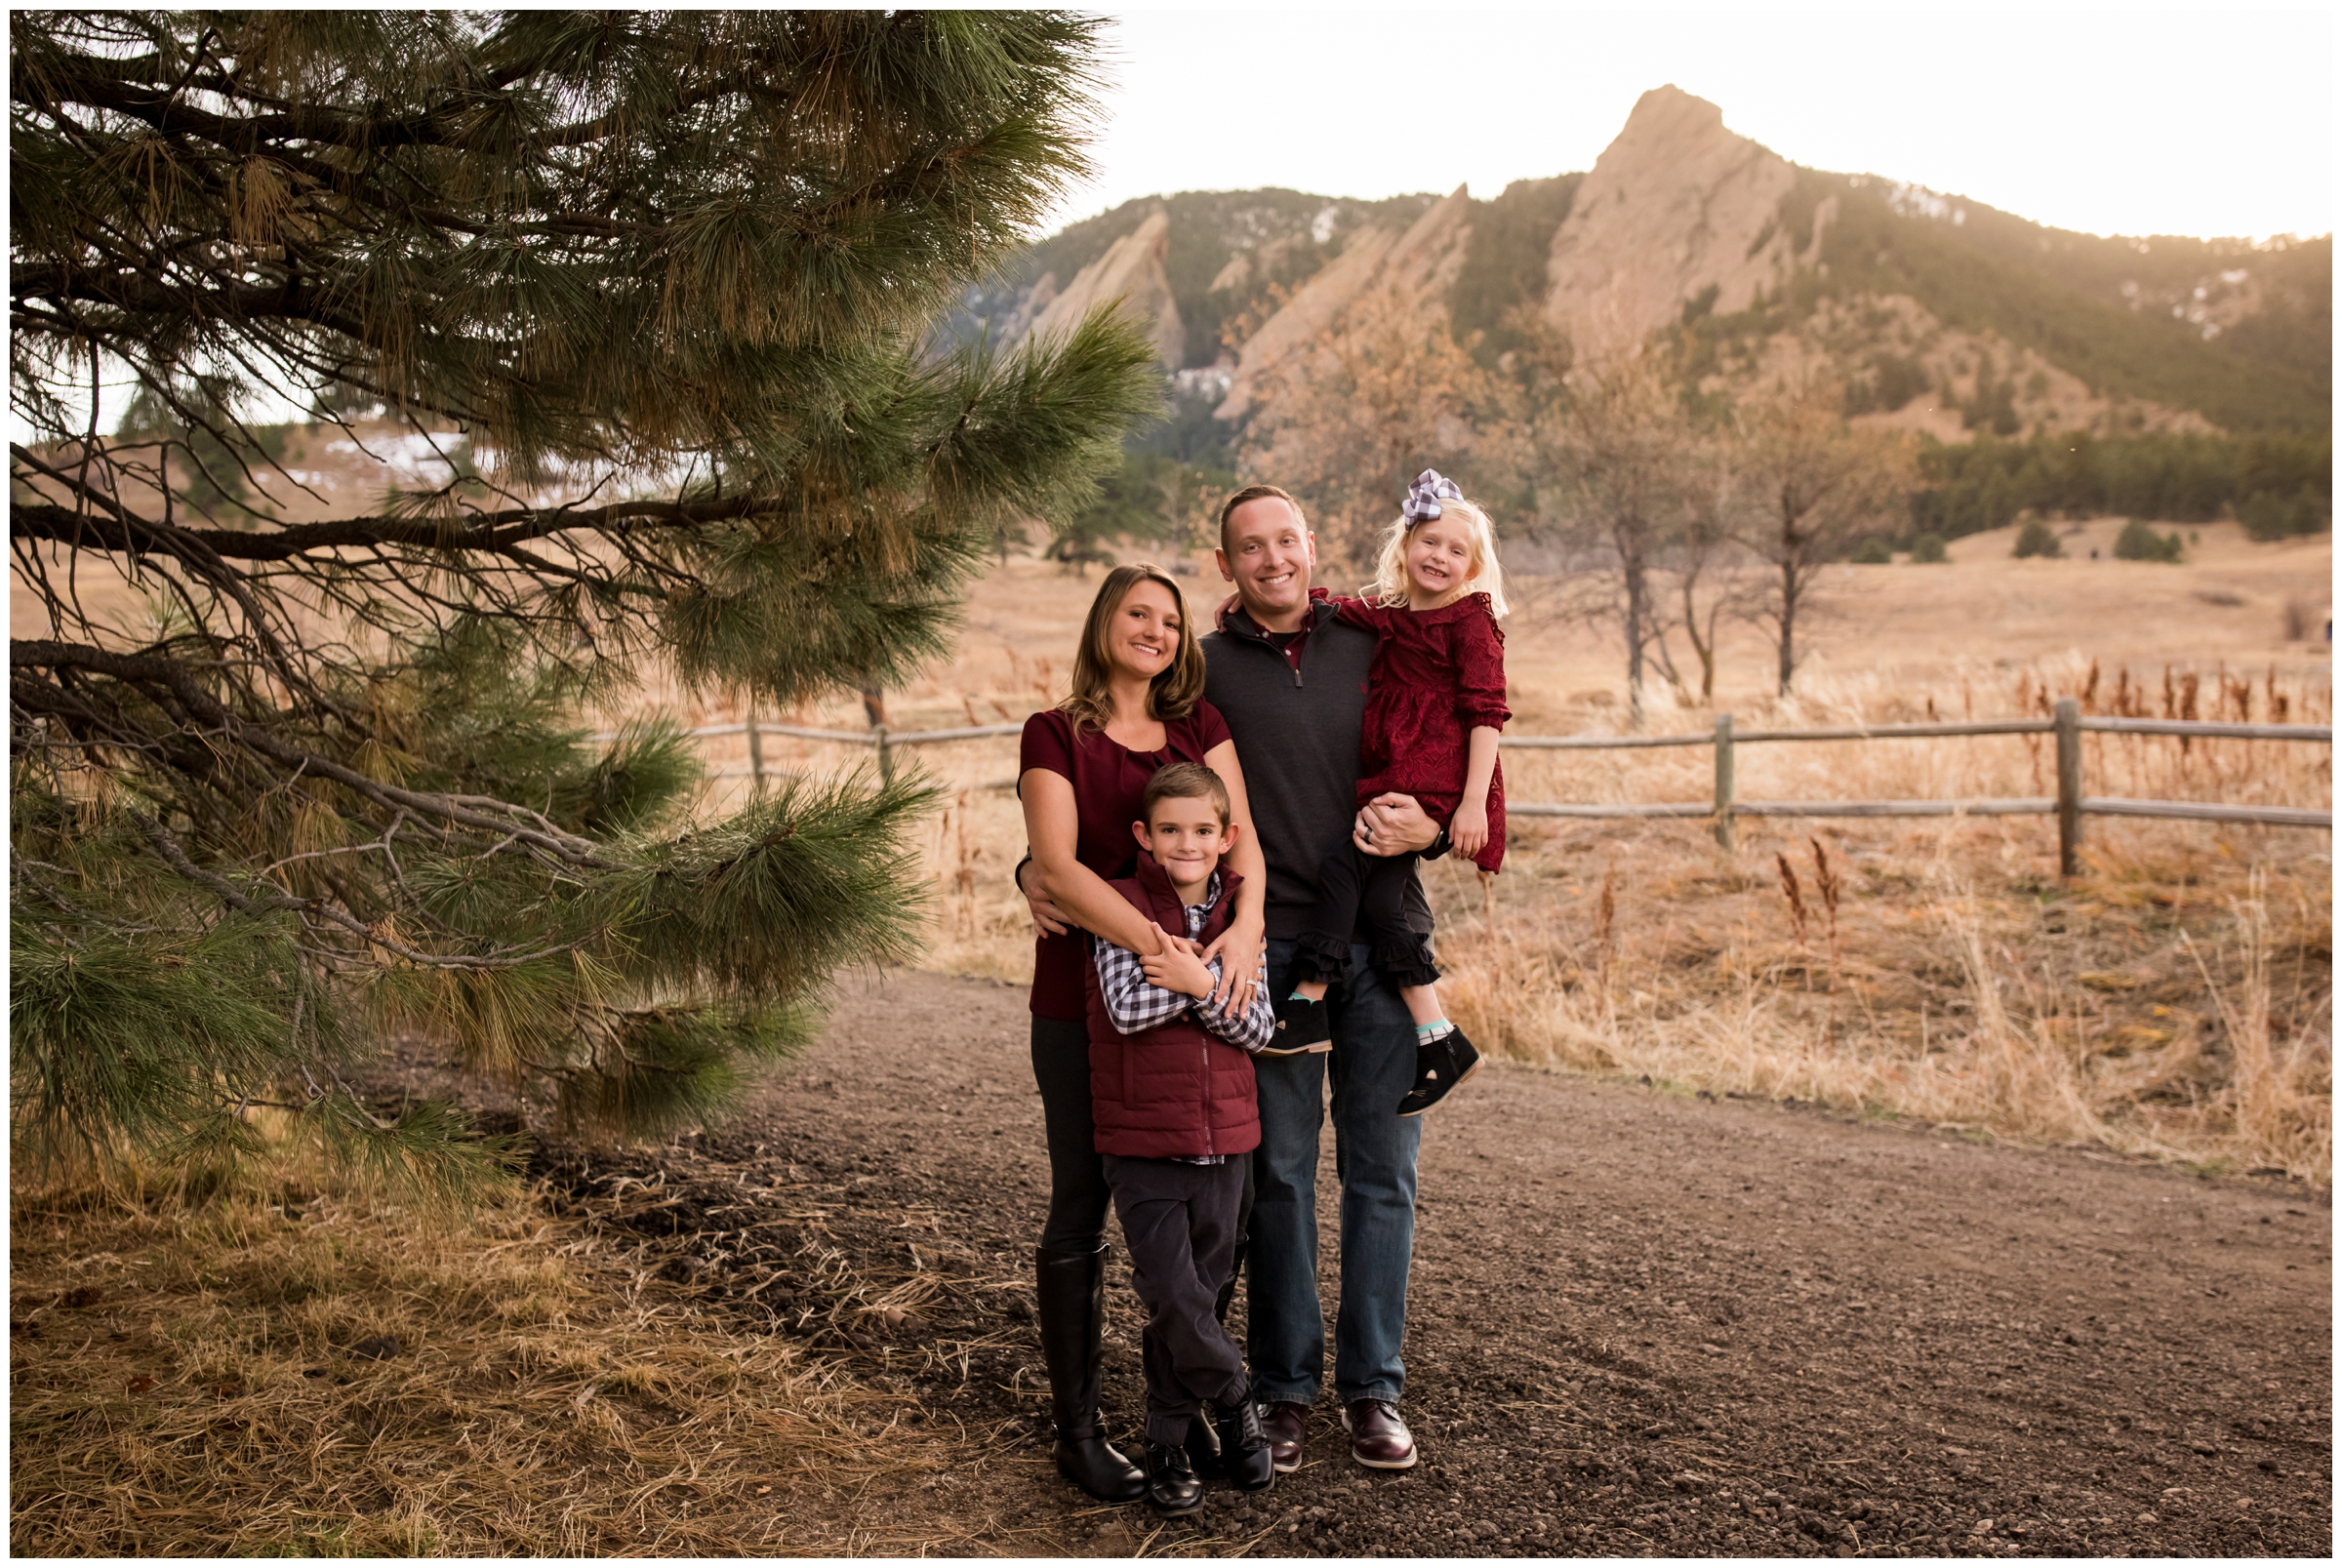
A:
x: 1175, y: 1090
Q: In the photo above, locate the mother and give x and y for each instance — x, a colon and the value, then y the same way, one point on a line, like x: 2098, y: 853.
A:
x: 1137, y: 704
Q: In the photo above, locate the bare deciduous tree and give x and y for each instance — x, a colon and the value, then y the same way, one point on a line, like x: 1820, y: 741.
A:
x: 1608, y: 456
x: 1811, y: 481
x: 1711, y: 583
x: 1348, y: 427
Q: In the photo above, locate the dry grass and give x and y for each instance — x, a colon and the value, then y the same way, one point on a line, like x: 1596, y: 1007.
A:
x: 194, y: 1379
x: 2173, y: 1002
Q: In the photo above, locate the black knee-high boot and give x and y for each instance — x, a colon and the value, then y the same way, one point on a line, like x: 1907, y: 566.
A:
x: 1070, y: 1295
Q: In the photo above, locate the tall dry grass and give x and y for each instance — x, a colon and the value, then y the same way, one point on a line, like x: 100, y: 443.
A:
x: 295, y: 1367
x: 1944, y: 974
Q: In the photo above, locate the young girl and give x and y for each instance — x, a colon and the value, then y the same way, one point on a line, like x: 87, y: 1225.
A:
x: 1434, y: 708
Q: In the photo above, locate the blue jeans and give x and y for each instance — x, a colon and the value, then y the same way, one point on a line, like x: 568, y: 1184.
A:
x: 1373, y: 1066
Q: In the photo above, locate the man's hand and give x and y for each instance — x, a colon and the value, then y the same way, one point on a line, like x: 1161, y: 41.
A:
x: 1239, y: 950
x: 1048, y: 920
x: 1467, y: 829
x: 1175, y: 967
x: 1395, y: 825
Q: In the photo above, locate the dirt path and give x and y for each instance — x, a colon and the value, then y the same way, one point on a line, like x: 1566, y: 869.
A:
x: 1640, y: 1322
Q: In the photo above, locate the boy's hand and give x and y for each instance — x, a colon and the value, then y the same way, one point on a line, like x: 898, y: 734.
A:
x: 1468, y: 829
x: 1176, y: 968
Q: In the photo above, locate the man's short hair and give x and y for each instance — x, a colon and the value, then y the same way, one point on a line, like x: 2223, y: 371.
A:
x: 1229, y: 507
x: 1185, y: 781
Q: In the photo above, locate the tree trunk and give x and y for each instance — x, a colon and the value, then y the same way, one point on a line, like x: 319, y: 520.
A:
x: 1631, y: 568
x: 1704, y: 650
x: 1788, y: 619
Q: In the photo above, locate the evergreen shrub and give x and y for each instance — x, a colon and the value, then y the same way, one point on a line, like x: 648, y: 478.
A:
x: 2139, y: 542
x: 2036, y: 538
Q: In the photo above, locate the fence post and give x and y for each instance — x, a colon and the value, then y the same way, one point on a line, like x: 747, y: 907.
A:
x: 755, y: 752
x: 2068, y: 720
x: 886, y: 758
x: 1724, y: 783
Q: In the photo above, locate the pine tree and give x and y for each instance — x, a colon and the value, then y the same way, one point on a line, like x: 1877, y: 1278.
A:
x: 656, y: 287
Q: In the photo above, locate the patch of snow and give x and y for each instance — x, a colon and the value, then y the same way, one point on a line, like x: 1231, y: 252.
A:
x: 411, y: 455
x: 1917, y: 201
x: 1207, y: 381
x: 1322, y: 227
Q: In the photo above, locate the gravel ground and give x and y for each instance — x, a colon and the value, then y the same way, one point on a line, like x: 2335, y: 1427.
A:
x: 1642, y: 1323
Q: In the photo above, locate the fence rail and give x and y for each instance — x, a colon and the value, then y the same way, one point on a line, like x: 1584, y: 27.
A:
x: 2067, y: 723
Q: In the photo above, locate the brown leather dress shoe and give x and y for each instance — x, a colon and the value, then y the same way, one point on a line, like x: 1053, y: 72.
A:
x: 1378, y: 1439
x: 1284, y: 1421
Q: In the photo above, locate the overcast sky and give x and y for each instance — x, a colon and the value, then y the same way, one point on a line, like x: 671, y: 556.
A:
x: 2118, y: 120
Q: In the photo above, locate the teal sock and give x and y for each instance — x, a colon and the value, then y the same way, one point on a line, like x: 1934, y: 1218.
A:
x: 1437, y: 1030
x: 1298, y: 997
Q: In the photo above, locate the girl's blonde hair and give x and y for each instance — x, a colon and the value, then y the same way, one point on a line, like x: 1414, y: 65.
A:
x: 1172, y: 693
x: 1487, y: 575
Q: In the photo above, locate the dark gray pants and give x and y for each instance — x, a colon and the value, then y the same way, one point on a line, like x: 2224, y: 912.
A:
x: 1181, y: 1223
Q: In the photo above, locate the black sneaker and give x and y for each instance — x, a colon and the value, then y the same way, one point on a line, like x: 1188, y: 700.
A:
x: 1303, y: 1027
x: 1171, y: 1484
x: 1439, y: 1067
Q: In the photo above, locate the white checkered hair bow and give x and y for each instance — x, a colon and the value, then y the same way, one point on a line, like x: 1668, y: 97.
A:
x: 1426, y: 493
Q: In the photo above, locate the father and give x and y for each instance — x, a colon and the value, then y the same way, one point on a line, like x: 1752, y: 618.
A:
x: 1290, y: 680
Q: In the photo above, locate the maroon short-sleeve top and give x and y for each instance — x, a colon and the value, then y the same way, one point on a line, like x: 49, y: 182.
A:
x: 1107, y: 778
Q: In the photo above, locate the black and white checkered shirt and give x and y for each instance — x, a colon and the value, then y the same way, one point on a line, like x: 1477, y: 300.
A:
x: 1133, y: 1002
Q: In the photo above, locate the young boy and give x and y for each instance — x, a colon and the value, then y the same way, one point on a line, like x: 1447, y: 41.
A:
x: 1171, y: 1090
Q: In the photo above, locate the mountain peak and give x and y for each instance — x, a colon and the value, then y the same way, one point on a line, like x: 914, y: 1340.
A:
x: 1676, y: 206
x: 1130, y: 271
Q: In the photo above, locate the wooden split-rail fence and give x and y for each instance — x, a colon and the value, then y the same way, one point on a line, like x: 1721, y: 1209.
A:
x: 2067, y: 722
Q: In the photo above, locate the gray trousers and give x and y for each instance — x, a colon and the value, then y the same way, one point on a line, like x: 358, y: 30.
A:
x: 1181, y: 1223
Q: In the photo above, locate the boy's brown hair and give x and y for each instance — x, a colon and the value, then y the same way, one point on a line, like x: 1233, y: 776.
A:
x: 1185, y: 781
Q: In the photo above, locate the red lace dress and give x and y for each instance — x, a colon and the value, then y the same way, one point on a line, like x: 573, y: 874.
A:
x: 1437, y: 675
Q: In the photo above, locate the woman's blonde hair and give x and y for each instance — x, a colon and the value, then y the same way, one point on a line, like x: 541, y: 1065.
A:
x: 1487, y: 575
x: 1172, y: 693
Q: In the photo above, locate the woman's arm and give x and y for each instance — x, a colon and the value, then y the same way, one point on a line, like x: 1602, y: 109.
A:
x: 1053, y: 827
x: 1468, y: 829
x: 1239, y: 945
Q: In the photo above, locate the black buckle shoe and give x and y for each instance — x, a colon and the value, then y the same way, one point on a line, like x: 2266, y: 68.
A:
x: 1171, y: 1485
x: 1302, y: 1029
x: 1439, y: 1067
x: 1244, y: 1453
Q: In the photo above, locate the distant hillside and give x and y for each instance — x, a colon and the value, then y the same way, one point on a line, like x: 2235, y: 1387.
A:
x: 2013, y: 327
x: 2241, y: 334
x: 1229, y: 250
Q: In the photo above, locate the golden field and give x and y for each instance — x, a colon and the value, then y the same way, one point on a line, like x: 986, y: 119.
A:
x: 2173, y: 1001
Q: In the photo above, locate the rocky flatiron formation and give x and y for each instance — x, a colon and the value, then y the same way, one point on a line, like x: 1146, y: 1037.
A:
x: 1409, y: 272
x: 1130, y: 271
x: 1941, y: 314
x: 1677, y: 209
